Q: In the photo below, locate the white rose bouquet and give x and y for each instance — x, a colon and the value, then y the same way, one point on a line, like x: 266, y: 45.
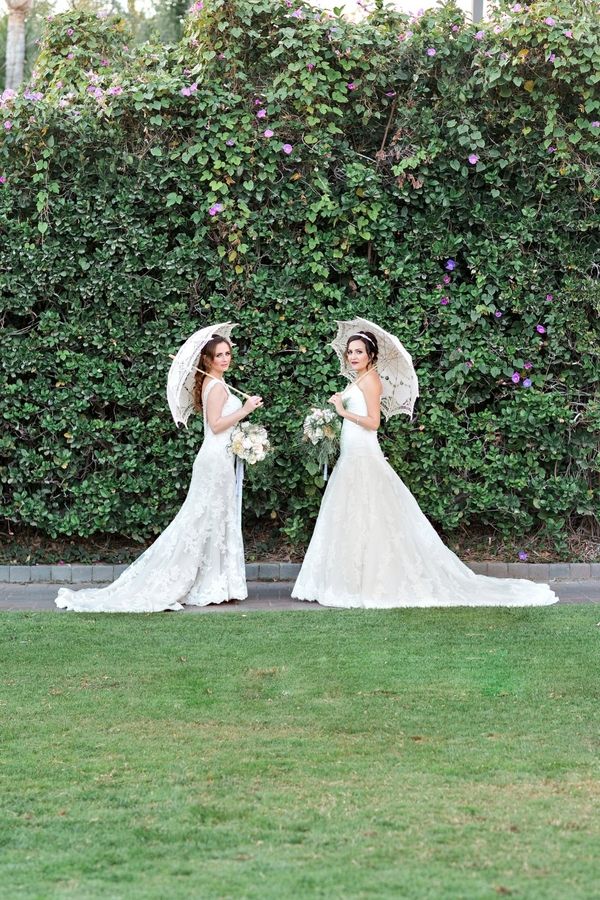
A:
x: 321, y: 431
x: 249, y: 442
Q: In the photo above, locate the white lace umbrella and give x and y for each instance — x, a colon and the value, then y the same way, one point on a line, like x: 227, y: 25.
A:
x: 394, y: 364
x: 182, y: 374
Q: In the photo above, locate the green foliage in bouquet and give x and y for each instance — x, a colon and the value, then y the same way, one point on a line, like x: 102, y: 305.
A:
x: 283, y: 168
x: 321, y: 431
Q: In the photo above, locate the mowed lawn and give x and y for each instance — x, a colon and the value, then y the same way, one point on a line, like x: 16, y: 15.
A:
x: 419, y: 754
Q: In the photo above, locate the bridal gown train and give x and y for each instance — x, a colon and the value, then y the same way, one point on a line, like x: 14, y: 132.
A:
x: 199, y: 558
x: 372, y: 547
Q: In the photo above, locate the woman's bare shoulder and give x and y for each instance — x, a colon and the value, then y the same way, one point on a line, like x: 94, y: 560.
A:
x: 371, y: 383
x: 209, y: 387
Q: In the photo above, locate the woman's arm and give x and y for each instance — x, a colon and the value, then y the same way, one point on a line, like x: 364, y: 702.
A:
x: 214, y: 410
x: 371, y: 387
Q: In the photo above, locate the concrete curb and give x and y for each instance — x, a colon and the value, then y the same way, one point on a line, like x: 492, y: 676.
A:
x: 285, y: 572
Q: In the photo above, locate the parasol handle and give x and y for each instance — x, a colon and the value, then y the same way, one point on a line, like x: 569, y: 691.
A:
x: 208, y: 375
x: 360, y: 377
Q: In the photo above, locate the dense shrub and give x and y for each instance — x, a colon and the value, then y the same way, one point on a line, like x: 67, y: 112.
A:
x: 430, y: 174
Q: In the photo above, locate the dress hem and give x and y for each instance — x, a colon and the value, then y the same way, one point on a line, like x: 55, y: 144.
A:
x: 353, y: 603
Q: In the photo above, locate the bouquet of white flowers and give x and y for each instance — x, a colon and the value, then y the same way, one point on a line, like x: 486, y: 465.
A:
x: 321, y: 430
x: 250, y: 442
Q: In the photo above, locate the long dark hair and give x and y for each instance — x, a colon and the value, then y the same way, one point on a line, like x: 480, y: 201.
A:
x: 207, y: 355
x: 369, y: 342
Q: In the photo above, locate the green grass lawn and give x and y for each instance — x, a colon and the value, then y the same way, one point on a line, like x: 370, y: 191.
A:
x: 410, y: 753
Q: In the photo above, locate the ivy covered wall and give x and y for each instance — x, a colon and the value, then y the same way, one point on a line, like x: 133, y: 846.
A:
x: 283, y: 168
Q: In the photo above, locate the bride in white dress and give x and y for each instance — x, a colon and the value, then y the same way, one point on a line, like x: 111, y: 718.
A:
x: 372, y: 547
x: 199, y: 558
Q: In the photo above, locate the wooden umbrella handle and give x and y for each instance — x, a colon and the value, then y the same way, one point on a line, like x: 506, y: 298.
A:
x: 208, y: 375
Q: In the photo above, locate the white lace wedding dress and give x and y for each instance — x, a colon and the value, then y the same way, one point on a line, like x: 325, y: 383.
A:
x: 199, y: 557
x: 372, y: 547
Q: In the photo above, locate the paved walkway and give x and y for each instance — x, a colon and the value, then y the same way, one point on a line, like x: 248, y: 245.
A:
x: 263, y: 596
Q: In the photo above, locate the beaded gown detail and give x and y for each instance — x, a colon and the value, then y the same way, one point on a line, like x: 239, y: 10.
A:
x: 372, y: 547
x: 199, y: 558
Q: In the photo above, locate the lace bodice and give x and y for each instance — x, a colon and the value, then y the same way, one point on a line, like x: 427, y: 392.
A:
x: 355, y: 439
x: 232, y: 404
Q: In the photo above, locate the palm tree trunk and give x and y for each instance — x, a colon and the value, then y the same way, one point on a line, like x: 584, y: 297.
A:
x: 18, y: 11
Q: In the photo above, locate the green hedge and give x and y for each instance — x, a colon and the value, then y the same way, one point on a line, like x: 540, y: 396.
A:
x: 475, y: 162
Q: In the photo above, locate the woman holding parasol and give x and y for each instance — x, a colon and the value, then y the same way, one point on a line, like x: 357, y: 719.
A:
x: 199, y: 558
x: 372, y: 547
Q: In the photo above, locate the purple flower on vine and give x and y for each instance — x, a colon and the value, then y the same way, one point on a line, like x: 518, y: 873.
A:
x: 310, y: 66
x: 528, y: 365
x: 527, y: 383
x: 351, y: 86
x: 268, y: 133
x: 431, y: 51
x: 540, y: 329
x: 115, y: 90
x: 446, y: 279
x: 523, y: 556
x: 450, y: 265
x: 479, y: 35
x: 445, y: 301
x: 70, y: 32
x: 2, y: 179
x: 229, y: 142
x: 287, y: 148
x: 473, y: 159
x: 455, y: 28
x: 549, y: 298
x: 70, y: 55
x: 552, y: 57
x: 215, y: 208
x: 498, y: 314
x: 261, y: 114
x: 298, y: 14
x: 515, y: 378
x: 104, y: 62
x: 550, y: 21
x: 568, y: 33
x: 390, y: 93
x: 595, y: 124
x: 8, y: 125
x: 551, y: 150
x: 517, y: 8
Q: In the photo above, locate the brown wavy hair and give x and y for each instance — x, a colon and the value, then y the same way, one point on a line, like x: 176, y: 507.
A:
x: 207, y: 355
